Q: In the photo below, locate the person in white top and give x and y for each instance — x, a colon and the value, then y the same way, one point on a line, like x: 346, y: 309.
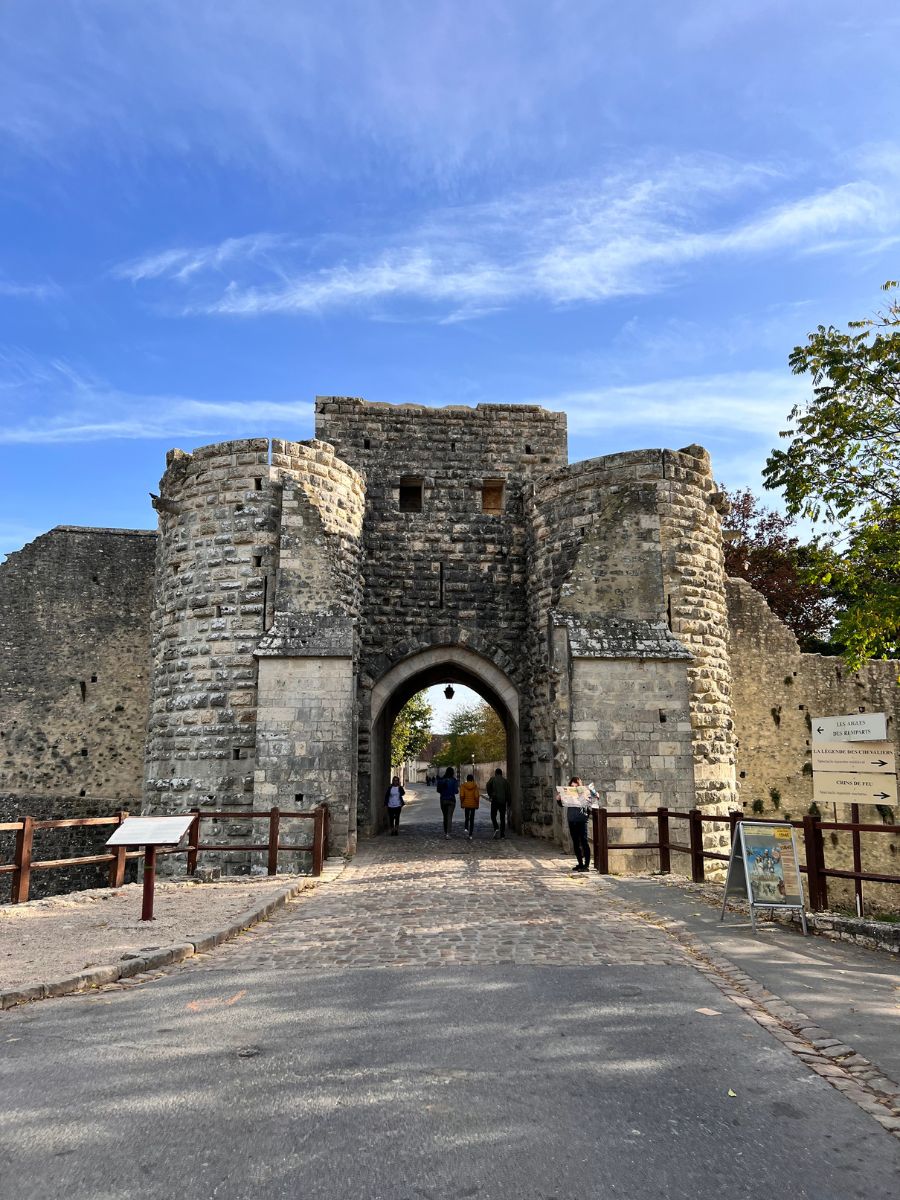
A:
x: 393, y: 802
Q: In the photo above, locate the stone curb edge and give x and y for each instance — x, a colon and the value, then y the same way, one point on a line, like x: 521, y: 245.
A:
x: 166, y: 956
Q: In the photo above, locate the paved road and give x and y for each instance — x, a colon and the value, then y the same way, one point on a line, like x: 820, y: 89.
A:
x: 446, y: 1020
x: 854, y: 993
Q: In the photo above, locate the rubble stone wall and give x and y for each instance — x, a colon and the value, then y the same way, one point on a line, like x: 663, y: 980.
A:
x: 778, y: 690
x: 74, y: 664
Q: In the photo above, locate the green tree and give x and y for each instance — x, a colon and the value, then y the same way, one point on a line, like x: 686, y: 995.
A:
x: 412, y: 729
x: 841, y: 467
x: 475, y: 731
x: 767, y: 552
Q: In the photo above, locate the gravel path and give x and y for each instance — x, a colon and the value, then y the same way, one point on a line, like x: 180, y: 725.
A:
x: 61, y: 935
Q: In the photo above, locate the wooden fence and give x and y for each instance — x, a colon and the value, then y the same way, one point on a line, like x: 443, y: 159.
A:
x: 812, y: 828
x: 24, y: 862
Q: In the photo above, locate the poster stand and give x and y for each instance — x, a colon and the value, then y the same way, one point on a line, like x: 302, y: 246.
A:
x: 764, y: 869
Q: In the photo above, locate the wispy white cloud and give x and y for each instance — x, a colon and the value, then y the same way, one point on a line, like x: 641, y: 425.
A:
x: 182, y: 264
x: 728, y: 404
x: 580, y: 242
x: 736, y: 415
x: 29, y: 291
x: 53, y: 401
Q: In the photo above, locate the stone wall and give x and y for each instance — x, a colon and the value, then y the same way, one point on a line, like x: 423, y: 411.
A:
x: 219, y: 512
x: 452, y: 573
x: 777, y: 692
x: 628, y: 633
x: 258, y: 572
x: 74, y: 665
x: 306, y: 727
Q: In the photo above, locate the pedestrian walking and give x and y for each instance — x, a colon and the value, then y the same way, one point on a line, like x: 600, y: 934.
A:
x: 499, y: 795
x: 469, y: 796
x: 448, y: 789
x: 393, y: 802
x: 577, y: 817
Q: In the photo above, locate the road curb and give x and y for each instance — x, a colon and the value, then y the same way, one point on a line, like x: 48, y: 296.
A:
x: 165, y: 956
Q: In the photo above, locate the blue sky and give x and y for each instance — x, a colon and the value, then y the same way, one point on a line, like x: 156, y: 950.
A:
x: 213, y: 211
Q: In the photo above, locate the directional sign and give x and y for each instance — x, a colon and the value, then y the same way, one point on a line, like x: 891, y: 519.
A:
x: 863, y: 788
x: 854, y: 727
x: 851, y: 756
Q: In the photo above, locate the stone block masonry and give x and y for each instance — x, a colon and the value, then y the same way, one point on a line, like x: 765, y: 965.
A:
x: 301, y: 592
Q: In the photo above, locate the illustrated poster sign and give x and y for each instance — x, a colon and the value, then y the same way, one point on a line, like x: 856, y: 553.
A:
x: 770, y: 862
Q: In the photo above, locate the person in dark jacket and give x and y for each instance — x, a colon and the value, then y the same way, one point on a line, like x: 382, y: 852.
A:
x: 577, y: 817
x: 448, y: 789
x: 393, y: 802
x: 499, y: 795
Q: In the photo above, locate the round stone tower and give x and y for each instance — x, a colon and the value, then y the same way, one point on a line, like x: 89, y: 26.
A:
x: 257, y: 565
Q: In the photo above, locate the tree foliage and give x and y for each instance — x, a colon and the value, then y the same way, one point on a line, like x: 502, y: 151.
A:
x: 474, y: 731
x: 412, y: 729
x: 769, y: 555
x: 841, y: 467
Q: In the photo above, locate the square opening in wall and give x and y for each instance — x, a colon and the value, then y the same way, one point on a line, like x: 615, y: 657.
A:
x: 492, y: 496
x: 410, y: 495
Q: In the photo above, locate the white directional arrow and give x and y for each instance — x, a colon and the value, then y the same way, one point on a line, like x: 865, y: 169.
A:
x: 853, y: 727
x: 878, y: 757
x: 863, y: 788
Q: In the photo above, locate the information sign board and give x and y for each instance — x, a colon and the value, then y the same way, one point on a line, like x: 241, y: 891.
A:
x: 764, y: 867
x: 862, y: 787
x: 852, y: 727
x: 151, y: 831
x: 841, y: 757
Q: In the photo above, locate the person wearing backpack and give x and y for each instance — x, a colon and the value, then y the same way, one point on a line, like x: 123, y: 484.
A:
x: 447, y: 790
x: 469, y: 796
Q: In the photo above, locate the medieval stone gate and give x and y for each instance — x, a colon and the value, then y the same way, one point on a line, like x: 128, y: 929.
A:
x: 304, y: 591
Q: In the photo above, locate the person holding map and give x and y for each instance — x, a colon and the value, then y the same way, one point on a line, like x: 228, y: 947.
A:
x: 577, y: 804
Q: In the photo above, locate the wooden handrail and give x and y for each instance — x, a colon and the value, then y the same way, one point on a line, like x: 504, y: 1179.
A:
x: 24, y: 862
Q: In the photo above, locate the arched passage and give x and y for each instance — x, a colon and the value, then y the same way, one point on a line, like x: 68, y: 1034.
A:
x: 441, y: 664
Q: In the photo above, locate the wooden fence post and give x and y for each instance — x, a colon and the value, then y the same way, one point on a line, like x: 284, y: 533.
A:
x: 814, y: 878
x: 117, y: 866
x: 734, y: 819
x: 695, y: 827
x: 193, y: 842
x: 601, y: 843
x: 21, y: 880
x: 318, y: 854
x: 662, y: 824
x: 274, y: 823
x: 857, y: 860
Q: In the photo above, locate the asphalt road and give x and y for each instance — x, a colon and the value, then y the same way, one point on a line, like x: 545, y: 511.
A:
x: 852, y: 992
x: 494, y: 1082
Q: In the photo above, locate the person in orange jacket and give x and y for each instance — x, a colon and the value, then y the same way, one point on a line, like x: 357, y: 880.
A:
x: 469, y: 795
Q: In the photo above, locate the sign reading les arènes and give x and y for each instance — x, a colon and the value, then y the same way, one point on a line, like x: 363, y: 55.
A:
x: 853, y: 727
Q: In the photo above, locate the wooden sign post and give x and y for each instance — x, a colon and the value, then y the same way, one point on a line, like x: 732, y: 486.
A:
x: 150, y: 832
x: 764, y: 867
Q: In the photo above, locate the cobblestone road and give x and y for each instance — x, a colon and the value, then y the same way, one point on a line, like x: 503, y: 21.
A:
x: 419, y: 900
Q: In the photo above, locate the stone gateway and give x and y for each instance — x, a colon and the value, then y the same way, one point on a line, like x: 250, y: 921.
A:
x: 303, y: 591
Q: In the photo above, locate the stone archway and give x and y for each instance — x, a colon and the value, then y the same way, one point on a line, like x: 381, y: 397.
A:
x: 441, y: 664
